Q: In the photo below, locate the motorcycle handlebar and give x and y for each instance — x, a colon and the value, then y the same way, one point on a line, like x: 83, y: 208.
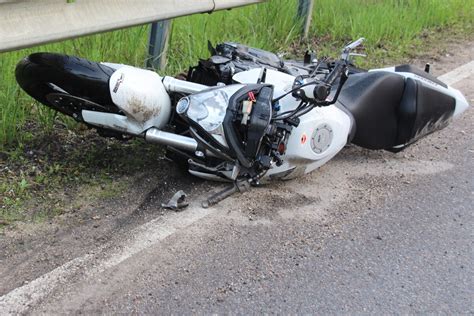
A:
x: 337, y: 71
x: 354, y: 44
x: 321, y: 91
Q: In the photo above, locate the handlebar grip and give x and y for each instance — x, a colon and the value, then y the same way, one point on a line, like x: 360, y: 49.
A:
x: 317, y: 92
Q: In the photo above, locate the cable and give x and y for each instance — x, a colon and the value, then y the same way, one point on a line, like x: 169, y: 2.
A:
x: 290, y: 111
x: 295, y: 89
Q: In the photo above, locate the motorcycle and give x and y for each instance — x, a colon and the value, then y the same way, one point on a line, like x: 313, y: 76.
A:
x: 245, y: 115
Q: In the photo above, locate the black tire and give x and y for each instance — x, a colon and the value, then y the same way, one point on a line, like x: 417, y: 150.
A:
x: 41, y: 74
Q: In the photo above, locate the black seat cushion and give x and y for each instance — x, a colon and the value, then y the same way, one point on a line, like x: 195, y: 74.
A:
x: 373, y: 99
x: 391, y: 112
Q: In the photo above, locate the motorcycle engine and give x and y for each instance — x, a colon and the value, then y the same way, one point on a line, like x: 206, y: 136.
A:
x: 234, y: 130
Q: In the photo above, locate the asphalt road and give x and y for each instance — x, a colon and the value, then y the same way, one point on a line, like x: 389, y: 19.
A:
x: 370, y: 232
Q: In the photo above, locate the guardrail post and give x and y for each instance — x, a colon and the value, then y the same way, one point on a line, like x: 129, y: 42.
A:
x: 305, y: 12
x: 158, y: 44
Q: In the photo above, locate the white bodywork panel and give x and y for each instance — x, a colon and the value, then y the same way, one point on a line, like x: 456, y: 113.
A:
x: 114, y: 66
x: 329, y: 126
x: 281, y: 81
x: 116, y: 122
x: 140, y: 94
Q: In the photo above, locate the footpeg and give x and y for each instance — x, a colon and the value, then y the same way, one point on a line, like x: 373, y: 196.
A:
x: 239, y: 186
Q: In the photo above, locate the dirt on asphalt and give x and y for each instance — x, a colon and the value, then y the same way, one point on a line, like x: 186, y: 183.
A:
x: 355, y: 177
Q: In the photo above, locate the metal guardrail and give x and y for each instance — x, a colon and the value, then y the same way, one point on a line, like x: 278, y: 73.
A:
x: 159, y: 34
x: 25, y: 23
x: 305, y: 9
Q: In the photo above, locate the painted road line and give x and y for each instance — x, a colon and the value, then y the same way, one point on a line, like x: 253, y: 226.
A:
x: 458, y: 74
x: 19, y: 300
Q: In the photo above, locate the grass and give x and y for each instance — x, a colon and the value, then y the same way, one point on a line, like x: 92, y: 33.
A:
x: 40, y: 179
x: 393, y: 28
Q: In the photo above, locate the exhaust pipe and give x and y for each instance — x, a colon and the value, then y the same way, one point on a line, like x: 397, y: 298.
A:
x: 154, y: 135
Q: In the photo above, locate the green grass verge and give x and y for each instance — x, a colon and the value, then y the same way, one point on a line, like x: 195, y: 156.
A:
x: 41, y: 179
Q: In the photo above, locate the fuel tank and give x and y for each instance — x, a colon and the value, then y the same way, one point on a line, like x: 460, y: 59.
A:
x: 320, y: 135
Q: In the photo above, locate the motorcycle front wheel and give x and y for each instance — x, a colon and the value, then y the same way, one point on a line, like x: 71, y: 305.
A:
x: 66, y: 84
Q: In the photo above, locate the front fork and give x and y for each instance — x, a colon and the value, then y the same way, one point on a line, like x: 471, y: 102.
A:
x: 181, y: 86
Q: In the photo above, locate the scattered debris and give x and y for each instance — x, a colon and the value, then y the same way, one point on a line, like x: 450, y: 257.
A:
x: 177, y: 201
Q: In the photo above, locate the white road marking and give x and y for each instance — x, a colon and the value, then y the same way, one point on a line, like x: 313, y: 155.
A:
x: 19, y: 300
x: 22, y: 298
x: 458, y: 74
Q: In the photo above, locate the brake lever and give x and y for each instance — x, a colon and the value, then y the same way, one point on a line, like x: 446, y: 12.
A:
x: 354, y: 44
x: 347, y: 51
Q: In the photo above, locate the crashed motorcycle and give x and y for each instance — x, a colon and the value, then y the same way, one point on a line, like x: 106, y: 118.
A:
x: 245, y: 115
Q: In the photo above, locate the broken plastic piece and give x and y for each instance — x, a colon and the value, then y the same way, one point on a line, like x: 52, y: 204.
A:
x: 177, y: 201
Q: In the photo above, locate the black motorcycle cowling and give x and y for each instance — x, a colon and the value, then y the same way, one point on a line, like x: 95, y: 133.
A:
x: 259, y: 122
x: 230, y: 58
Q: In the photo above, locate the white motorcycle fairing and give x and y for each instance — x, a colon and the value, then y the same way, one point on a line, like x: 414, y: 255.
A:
x: 320, y: 135
x: 141, y: 95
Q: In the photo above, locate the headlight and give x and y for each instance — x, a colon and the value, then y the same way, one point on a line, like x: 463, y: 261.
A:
x: 208, y: 109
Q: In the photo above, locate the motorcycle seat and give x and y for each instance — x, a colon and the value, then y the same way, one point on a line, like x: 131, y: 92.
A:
x: 373, y: 99
x: 391, y: 111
